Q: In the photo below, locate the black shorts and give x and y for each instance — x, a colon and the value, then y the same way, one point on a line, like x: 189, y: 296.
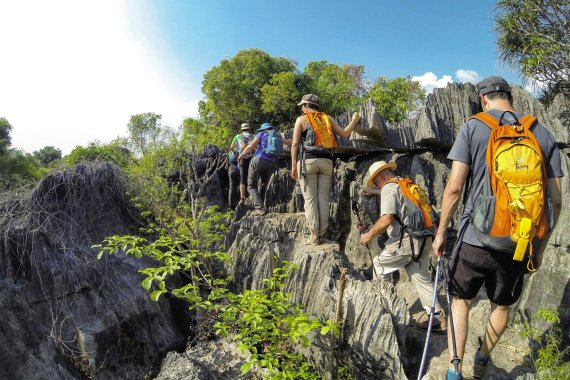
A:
x: 474, y: 266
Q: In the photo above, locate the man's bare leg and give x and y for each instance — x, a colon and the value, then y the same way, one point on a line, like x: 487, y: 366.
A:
x: 460, y: 310
x: 498, y: 320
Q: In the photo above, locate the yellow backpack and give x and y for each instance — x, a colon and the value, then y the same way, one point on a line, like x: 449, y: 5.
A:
x: 512, y: 210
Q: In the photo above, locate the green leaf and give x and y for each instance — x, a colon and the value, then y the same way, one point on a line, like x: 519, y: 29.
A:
x: 147, y: 283
x: 246, y: 367
x: 156, y: 295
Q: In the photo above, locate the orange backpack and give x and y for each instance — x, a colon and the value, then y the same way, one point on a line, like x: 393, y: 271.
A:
x: 421, y: 216
x: 321, y: 131
x: 511, y: 212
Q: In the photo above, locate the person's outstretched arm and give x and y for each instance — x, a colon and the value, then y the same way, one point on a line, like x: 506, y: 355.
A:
x: 346, y: 132
x: 297, y: 132
x: 249, y: 148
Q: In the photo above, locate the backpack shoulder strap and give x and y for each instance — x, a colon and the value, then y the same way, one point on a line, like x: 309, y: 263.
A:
x: 528, y: 121
x: 486, y: 119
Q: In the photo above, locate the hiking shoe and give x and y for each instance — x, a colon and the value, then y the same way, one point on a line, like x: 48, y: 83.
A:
x: 479, y: 365
x: 259, y: 211
x: 452, y: 375
x: 438, y: 324
x: 313, y: 241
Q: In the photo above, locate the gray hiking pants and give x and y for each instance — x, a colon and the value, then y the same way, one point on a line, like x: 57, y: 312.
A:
x: 260, y: 171
x: 316, y: 185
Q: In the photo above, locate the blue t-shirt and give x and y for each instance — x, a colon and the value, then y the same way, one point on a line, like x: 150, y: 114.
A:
x: 470, y: 148
x: 260, y: 152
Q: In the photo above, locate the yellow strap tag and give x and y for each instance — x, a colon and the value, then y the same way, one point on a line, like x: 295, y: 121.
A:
x: 522, y: 244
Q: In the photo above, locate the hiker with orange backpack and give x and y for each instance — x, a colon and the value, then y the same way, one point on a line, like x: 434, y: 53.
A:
x: 408, y: 221
x: 312, y: 152
x: 511, y: 165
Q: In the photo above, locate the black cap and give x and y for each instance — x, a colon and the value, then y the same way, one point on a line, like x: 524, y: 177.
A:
x: 493, y: 84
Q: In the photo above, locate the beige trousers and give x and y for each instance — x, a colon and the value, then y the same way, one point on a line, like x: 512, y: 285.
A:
x: 386, y: 263
x: 316, y: 187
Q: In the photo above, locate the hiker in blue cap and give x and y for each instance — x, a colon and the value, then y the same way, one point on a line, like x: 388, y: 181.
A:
x: 269, y: 144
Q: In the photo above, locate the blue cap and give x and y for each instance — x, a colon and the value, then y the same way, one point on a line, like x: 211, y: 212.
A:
x: 265, y: 126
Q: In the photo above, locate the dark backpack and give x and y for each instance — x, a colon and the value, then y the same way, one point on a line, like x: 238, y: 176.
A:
x: 421, y: 215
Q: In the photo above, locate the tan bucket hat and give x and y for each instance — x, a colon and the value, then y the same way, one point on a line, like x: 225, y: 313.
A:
x: 376, y: 168
x: 245, y: 127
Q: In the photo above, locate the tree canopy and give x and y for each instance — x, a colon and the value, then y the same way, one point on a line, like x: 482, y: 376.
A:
x: 144, y: 130
x: 254, y: 87
x: 397, y: 99
x: 233, y: 88
x: 339, y: 88
x: 47, y: 155
x: 115, y: 152
x: 5, y: 140
x: 15, y: 164
x: 533, y: 36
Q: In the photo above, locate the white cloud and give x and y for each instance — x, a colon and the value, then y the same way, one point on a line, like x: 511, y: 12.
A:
x: 467, y: 76
x: 534, y: 87
x: 429, y: 81
x: 72, y: 73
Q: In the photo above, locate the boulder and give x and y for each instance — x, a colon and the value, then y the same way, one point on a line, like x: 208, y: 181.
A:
x: 65, y: 314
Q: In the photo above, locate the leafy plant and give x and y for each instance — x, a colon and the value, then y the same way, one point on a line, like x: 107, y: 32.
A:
x: 182, y: 234
x: 114, y: 152
x: 269, y: 326
x: 548, y: 357
x: 533, y: 37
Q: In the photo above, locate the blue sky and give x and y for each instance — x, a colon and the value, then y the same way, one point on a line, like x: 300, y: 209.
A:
x: 73, y: 71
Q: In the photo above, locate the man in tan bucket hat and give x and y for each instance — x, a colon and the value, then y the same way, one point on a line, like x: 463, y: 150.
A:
x: 397, y: 252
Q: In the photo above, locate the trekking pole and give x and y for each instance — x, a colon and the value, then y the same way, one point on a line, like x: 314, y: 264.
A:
x: 455, y: 360
x: 355, y: 209
x: 431, y: 314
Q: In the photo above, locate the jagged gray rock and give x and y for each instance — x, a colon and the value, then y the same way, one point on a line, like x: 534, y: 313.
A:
x: 443, y: 115
x: 64, y: 314
x: 216, y: 360
x: 377, y: 314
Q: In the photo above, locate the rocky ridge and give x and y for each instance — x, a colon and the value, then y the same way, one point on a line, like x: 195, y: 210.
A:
x: 69, y: 316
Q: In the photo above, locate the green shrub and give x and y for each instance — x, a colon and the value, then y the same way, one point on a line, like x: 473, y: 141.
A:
x: 547, y: 356
x: 184, y: 237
